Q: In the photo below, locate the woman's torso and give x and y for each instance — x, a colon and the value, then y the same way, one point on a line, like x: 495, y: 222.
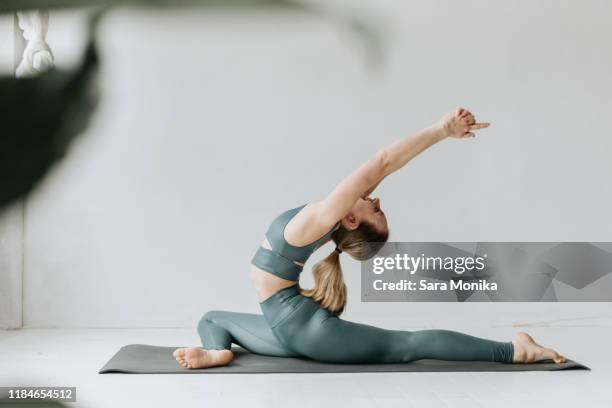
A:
x: 288, y: 244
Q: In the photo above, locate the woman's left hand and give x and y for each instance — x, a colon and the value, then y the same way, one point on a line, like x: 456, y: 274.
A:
x: 460, y: 124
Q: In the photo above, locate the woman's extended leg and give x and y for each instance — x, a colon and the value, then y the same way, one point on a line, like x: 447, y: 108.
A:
x: 302, y: 325
x: 340, y: 341
x: 376, y: 345
x: 219, y: 329
x: 331, y: 339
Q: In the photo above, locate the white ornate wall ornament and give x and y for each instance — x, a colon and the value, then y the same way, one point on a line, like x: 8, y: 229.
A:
x: 37, y: 56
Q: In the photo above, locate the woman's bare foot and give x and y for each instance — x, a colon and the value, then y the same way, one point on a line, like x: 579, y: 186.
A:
x: 195, y: 357
x: 526, y: 350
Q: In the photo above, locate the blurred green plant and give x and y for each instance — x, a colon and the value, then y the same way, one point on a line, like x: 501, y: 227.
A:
x: 40, y: 116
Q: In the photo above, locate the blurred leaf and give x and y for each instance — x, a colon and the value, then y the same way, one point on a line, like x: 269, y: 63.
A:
x: 361, y: 28
x: 39, y: 118
x: 13, y: 5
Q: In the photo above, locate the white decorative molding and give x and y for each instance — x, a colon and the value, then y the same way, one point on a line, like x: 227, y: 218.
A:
x: 11, y: 238
x: 37, y: 56
x: 11, y: 266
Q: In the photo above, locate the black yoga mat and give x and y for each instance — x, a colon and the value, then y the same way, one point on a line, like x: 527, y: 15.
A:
x: 145, y: 359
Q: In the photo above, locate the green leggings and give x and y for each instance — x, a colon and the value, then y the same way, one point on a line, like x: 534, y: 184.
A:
x: 293, y: 325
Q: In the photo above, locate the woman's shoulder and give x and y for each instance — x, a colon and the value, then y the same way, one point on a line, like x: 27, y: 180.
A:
x: 306, y: 226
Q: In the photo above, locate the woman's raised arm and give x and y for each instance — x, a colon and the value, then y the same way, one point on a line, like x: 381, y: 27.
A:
x: 362, y: 182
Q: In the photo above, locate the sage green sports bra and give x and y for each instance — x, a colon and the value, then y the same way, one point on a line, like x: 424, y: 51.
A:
x: 281, y: 259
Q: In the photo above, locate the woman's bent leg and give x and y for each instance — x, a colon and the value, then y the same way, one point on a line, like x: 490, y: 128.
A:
x: 219, y: 329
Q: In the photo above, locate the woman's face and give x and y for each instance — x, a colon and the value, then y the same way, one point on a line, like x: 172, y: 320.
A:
x: 368, y: 209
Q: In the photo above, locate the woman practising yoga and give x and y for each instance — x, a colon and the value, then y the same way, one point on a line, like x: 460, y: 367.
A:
x: 305, y: 323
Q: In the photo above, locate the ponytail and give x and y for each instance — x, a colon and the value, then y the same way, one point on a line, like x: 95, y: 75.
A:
x: 361, y: 243
x: 329, y: 290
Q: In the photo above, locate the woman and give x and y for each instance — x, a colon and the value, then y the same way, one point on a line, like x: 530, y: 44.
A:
x: 305, y: 323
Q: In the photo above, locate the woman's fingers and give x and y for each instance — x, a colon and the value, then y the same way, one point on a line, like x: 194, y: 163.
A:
x: 477, y: 126
x: 462, y: 124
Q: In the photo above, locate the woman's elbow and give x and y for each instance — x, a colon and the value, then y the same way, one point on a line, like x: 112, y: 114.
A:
x: 382, y: 163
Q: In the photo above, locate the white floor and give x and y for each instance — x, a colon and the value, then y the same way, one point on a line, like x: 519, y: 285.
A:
x: 71, y: 357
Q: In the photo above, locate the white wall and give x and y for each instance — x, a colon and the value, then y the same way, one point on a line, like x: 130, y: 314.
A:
x: 11, y: 266
x: 6, y: 43
x: 212, y: 124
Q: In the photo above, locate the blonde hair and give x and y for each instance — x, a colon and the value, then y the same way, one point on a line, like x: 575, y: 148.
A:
x: 361, y: 243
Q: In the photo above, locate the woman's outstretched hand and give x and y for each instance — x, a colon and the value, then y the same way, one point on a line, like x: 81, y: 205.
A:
x: 460, y: 124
